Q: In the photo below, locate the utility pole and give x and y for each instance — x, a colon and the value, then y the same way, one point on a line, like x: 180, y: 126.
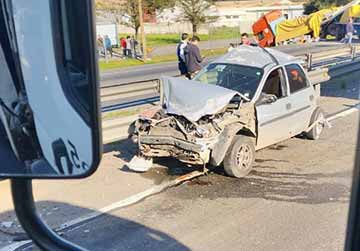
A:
x: 143, y: 38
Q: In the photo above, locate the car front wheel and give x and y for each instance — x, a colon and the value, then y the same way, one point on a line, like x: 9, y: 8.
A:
x: 318, y: 116
x: 240, y: 157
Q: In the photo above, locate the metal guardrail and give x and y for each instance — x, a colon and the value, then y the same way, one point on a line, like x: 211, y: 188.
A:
x: 346, y: 62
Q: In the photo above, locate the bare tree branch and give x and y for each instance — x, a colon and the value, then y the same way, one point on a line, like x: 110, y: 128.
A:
x: 195, y: 12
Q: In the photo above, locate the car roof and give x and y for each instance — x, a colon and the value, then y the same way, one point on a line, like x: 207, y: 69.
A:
x: 256, y: 56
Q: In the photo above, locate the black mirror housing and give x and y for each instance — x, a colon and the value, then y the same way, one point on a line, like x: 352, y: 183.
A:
x: 50, y: 124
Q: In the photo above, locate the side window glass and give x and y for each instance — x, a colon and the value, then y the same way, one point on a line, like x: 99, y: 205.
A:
x: 274, y: 84
x: 297, y: 78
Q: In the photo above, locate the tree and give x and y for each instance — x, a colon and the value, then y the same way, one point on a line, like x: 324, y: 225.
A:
x: 113, y: 6
x: 195, y: 11
x: 160, y: 4
x: 127, y: 12
x: 132, y: 9
x: 316, y: 5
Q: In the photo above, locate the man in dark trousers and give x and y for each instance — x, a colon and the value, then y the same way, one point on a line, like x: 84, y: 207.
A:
x: 350, y: 31
x: 193, y: 57
x: 180, y: 52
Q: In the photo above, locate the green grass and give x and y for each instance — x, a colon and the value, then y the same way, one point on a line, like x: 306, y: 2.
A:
x: 122, y: 63
x: 155, y: 40
x: 120, y: 113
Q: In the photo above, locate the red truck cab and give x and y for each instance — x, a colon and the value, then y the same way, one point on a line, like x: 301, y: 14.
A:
x: 263, y: 31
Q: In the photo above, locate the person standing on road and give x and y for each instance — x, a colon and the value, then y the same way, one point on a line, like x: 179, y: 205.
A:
x: 108, y: 45
x: 193, y: 57
x: 245, y: 39
x: 133, y: 43
x: 181, y: 54
x: 349, y: 31
x: 123, y: 46
x: 128, y: 46
x: 100, y: 44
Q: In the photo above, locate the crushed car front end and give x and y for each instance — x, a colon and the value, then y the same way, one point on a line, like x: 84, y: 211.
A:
x: 195, y: 130
x: 174, y: 136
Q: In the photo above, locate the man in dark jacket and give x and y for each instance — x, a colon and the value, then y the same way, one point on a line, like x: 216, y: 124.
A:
x: 180, y: 52
x: 193, y: 57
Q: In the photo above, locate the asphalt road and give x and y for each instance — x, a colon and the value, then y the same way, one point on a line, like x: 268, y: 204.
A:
x: 295, y: 199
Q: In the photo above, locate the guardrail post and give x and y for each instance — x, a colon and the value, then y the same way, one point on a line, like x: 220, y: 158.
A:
x: 161, y: 91
x: 309, y: 57
x: 353, y: 52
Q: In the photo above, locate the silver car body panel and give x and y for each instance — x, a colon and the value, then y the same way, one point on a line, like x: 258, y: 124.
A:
x: 268, y: 123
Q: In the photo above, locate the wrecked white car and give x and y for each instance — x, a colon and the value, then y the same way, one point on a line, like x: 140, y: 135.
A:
x: 244, y: 101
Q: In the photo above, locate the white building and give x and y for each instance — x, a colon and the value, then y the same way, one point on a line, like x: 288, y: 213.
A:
x: 240, y: 13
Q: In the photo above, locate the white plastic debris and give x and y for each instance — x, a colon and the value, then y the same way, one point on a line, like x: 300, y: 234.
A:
x: 140, y: 164
x: 7, y: 224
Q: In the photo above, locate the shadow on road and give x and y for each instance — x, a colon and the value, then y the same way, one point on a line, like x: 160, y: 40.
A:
x: 106, y: 232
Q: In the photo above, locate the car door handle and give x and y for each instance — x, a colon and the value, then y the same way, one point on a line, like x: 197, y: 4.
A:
x: 311, y: 97
x: 288, y: 106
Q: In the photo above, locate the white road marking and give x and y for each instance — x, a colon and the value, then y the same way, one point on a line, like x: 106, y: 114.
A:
x: 134, y: 198
x: 342, y: 114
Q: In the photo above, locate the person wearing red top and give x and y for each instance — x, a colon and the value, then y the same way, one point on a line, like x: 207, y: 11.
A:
x: 123, y: 46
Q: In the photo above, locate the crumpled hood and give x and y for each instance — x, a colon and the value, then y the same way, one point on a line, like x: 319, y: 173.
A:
x: 193, y: 99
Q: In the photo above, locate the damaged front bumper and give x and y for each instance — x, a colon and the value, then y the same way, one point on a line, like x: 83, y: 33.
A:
x: 166, y: 146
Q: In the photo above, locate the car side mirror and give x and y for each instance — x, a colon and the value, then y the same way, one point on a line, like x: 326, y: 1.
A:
x: 266, y: 99
x: 49, y: 90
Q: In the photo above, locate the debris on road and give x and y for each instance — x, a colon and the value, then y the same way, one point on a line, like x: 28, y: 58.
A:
x: 7, y: 224
x: 140, y: 164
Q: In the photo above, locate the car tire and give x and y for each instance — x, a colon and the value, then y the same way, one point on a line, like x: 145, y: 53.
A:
x: 315, y: 132
x: 240, y: 157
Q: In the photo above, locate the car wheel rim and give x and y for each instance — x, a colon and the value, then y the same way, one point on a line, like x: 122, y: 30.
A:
x: 243, y: 157
x: 320, y: 125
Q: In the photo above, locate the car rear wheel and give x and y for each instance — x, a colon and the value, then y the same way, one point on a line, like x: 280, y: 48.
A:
x: 315, y: 132
x: 240, y: 157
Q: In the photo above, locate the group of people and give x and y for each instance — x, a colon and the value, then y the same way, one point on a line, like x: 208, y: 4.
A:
x: 129, y: 45
x: 189, y: 56
x: 104, y: 45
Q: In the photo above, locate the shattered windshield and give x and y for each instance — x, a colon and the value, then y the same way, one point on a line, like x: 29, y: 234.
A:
x: 240, y: 78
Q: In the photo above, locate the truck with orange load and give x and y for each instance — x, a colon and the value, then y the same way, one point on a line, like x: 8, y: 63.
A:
x: 273, y: 28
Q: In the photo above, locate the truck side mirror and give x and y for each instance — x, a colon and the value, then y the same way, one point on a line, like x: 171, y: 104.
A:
x: 49, y: 89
